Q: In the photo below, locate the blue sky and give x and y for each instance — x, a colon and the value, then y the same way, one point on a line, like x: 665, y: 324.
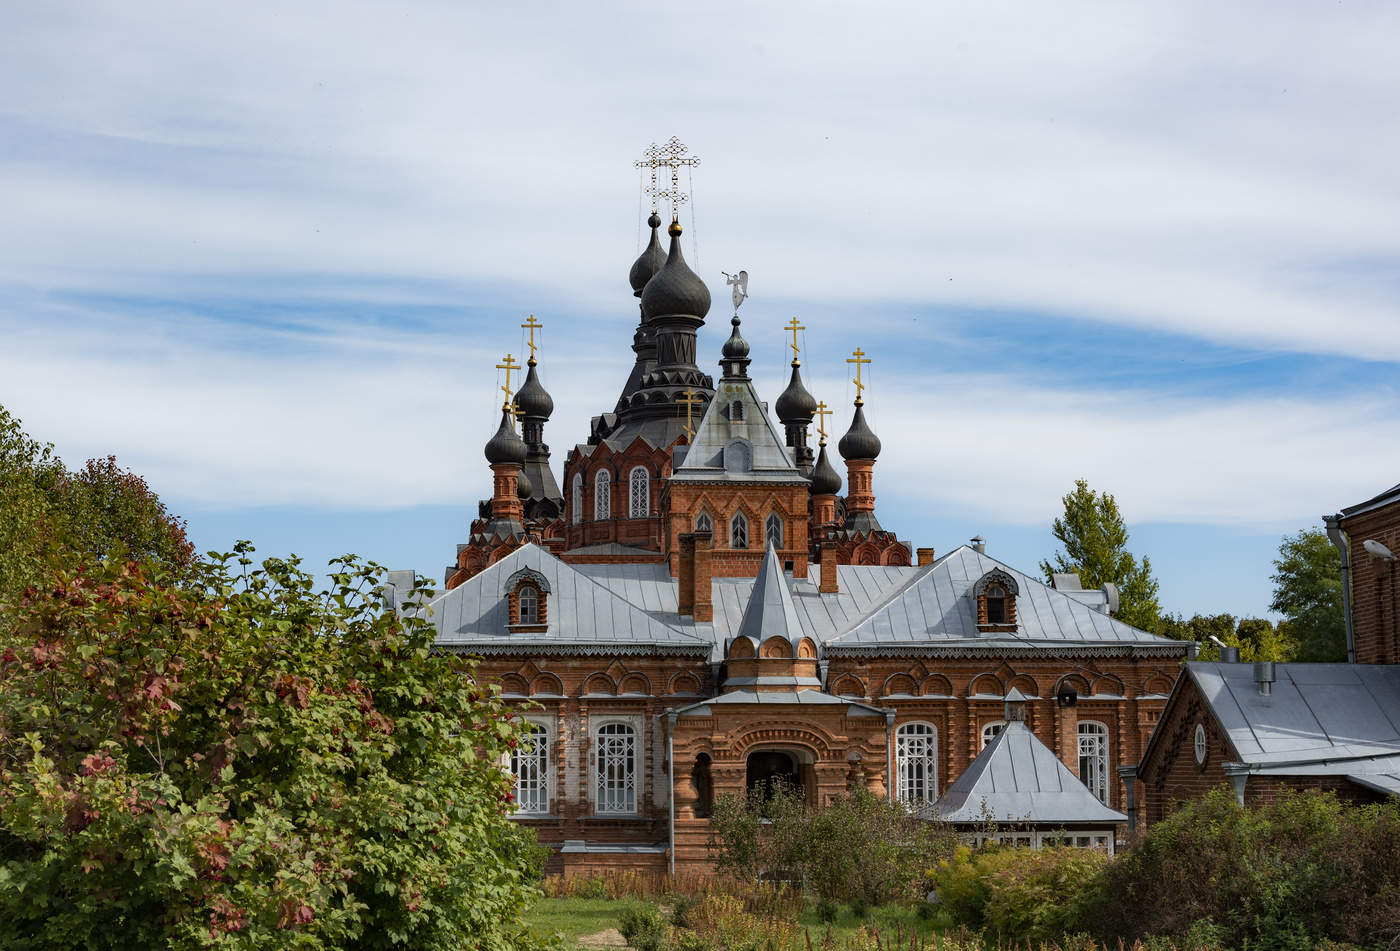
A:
x: 269, y: 254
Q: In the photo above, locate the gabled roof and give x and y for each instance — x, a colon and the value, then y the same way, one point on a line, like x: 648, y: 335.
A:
x: 1016, y: 778
x: 934, y: 608
x: 770, y: 612
x: 768, y: 456
x: 1385, y: 498
x: 1318, y: 719
x: 583, y: 616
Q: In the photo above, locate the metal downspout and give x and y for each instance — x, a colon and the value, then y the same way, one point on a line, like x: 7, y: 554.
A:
x: 671, y: 774
x: 889, y: 754
x: 1339, y: 541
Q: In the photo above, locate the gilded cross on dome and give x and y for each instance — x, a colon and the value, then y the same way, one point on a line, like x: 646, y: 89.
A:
x: 690, y: 400
x: 532, y: 325
x: 672, y: 155
x: 509, y: 405
x: 821, y: 414
x: 858, y: 358
x: 794, y: 326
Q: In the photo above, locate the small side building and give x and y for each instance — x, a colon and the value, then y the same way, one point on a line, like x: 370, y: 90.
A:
x: 1020, y: 793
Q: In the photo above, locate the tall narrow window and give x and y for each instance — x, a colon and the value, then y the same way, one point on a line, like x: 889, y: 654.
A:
x: 916, y: 751
x: 1093, y: 758
x: 640, y: 492
x: 739, y: 531
x: 996, y: 605
x: 578, y: 498
x: 602, y: 496
x: 703, y: 522
x: 736, y: 411
x: 991, y: 730
x: 617, y: 768
x: 529, y: 602
x: 530, y: 764
x: 773, y: 530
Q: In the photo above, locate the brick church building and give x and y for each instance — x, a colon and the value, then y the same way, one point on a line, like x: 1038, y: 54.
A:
x: 701, y: 607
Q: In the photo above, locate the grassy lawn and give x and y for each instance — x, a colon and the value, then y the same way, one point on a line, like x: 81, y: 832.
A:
x: 572, y: 917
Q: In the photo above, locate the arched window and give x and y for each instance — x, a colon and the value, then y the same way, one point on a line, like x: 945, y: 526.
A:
x: 736, y: 411
x: 916, y: 752
x: 773, y: 530
x: 640, y: 494
x: 991, y: 730
x: 1093, y: 758
x: 703, y: 522
x: 996, y: 604
x: 529, y: 762
x: 578, y: 498
x: 529, y: 601
x: 617, y: 768
x: 739, y: 531
x: 602, y: 496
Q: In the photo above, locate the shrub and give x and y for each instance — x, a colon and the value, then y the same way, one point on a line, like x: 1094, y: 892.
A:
x: 642, y: 928
x: 827, y: 911
x: 1042, y: 895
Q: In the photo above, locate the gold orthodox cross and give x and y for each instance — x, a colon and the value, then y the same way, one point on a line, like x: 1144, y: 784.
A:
x: 794, y: 326
x: 532, y: 325
x: 508, y: 366
x: 822, y: 414
x: 671, y: 155
x: 690, y: 400
x: 858, y: 358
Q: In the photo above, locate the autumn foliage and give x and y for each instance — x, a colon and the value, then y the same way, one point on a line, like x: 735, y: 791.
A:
x: 238, y: 761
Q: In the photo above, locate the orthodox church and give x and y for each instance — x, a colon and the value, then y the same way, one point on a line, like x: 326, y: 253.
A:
x: 702, y: 608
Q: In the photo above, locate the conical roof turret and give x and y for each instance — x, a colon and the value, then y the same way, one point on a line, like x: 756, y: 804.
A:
x: 860, y: 441
x: 532, y: 397
x: 796, y: 405
x: 675, y: 289
x: 505, y: 446
x: 646, y: 266
x: 825, y: 481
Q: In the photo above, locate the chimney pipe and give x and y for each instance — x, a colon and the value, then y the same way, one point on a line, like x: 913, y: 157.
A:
x: 829, y: 583
x: 979, y: 544
x: 1264, y: 676
x: 704, y: 592
x: 686, y: 575
x: 925, y: 557
x: 1229, y: 655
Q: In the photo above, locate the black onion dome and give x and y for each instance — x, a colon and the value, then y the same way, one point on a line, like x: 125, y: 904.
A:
x: 646, y: 266
x: 505, y: 446
x: 523, y: 487
x: 532, y: 398
x: 736, y: 347
x: 796, y: 405
x: 825, y: 481
x: 860, y: 442
x: 675, y: 289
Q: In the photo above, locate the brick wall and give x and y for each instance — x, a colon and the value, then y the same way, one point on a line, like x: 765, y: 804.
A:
x: 1375, y: 586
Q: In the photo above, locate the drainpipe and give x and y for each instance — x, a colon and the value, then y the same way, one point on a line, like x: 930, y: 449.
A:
x: 1128, y: 773
x: 1238, y: 774
x: 671, y: 775
x: 889, y: 755
x: 1339, y: 540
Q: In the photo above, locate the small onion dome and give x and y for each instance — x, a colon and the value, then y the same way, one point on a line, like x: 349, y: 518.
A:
x: 675, y: 289
x: 505, y: 446
x: 736, y: 347
x: 651, y: 260
x: 825, y: 481
x: 859, y: 442
x: 523, y: 487
x: 532, y: 398
x: 796, y: 405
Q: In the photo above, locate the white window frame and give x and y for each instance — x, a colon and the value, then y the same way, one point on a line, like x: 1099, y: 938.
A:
x: 773, y: 530
x: 916, y: 758
x: 639, y: 483
x: 739, y: 522
x: 520, y: 603
x: 615, y: 771
x: 531, y: 764
x: 990, y: 730
x: 578, y: 498
x: 1093, y: 758
x: 602, y: 496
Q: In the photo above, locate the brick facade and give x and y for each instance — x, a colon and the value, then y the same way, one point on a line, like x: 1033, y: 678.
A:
x: 1375, y: 587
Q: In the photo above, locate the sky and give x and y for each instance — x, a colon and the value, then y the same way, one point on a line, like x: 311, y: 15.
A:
x: 268, y: 254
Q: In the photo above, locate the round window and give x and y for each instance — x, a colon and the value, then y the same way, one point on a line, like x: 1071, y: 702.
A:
x: 1200, y: 744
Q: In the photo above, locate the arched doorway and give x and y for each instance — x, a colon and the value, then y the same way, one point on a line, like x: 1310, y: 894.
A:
x: 769, y: 770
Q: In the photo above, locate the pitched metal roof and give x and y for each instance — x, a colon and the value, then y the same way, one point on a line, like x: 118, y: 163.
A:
x: 581, y: 614
x: 1385, y: 498
x: 768, y: 459
x: 854, y: 708
x: 1016, y: 778
x: 770, y: 611
x: 1318, y: 719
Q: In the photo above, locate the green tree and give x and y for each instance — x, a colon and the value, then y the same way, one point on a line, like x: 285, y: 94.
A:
x: 1257, y: 638
x: 1095, y: 541
x: 238, y: 762
x: 1308, y: 593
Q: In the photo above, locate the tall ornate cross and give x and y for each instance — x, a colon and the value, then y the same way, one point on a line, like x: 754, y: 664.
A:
x: 532, y: 325
x: 509, y: 366
x: 858, y: 358
x: 794, y: 326
x: 671, y: 155
x: 690, y: 400
x: 822, y: 414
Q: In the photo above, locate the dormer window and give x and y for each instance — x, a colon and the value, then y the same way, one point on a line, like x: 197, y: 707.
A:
x: 529, y: 601
x: 996, y: 604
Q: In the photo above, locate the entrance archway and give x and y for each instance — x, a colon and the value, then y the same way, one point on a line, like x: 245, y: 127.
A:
x: 770, y: 769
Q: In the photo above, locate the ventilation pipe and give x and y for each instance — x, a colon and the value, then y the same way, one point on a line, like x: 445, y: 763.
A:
x: 1264, y: 676
x: 1228, y: 654
x: 979, y: 544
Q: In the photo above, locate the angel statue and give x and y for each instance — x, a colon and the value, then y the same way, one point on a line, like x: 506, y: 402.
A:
x: 740, y: 282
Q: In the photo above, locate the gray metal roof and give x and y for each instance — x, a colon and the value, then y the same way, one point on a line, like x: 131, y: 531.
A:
x: 854, y: 708
x: 770, y: 611
x: 1016, y: 778
x: 581, y: 613
x: 1385, y: 498
x: 1319, y: 719
x: 768, y: 456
